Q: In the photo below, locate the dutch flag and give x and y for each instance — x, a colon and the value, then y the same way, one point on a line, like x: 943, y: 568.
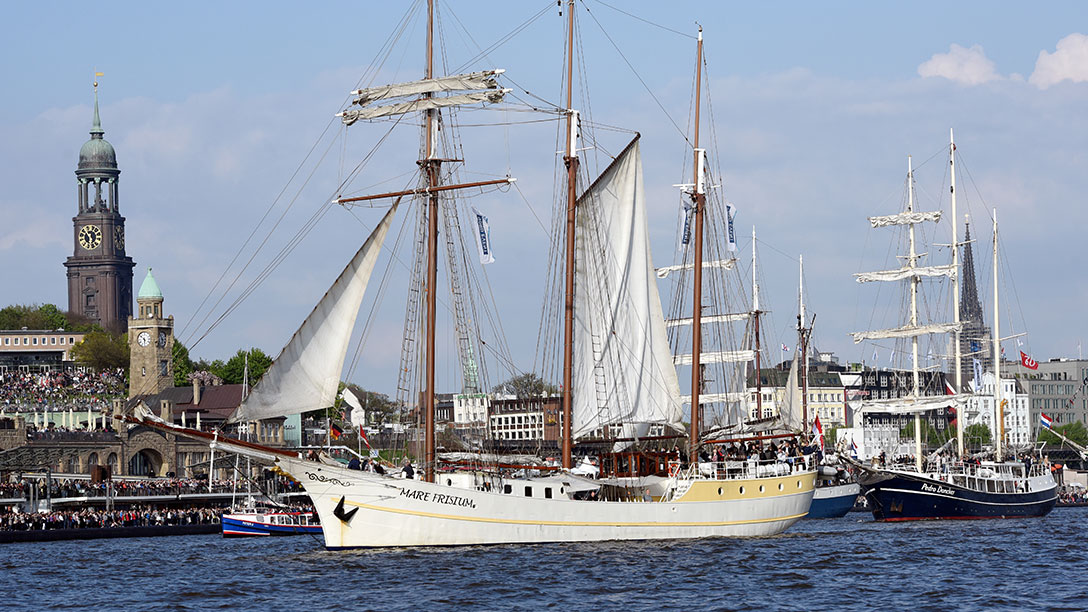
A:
x: 1044, y: 420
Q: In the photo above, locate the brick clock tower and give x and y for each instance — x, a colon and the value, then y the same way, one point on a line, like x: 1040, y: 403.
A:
x: 99, y: 272
x: 150, y: 342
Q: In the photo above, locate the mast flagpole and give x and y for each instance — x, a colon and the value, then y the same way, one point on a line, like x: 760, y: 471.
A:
x: 431, y: 164
x: 699, y: 202
x: 755, y: 325
x: 802, y: 340
x: 912, y: 263
x: 956, y: 286
x: 571, y: 161
x: 999, y: 416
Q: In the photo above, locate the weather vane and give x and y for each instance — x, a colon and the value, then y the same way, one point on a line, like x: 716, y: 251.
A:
x: 96, y: 75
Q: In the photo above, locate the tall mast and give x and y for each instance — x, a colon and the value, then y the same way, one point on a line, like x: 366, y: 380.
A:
x: 755, y: 325
x: 430, y: 163
x: 802, y: 341
x: 571, y: 160
x: 956, y: 287
x: 913, y: 263
x: 999, y: 415
x: 699, y: 200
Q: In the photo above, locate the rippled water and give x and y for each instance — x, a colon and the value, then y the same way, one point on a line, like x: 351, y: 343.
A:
x: 841, y: 564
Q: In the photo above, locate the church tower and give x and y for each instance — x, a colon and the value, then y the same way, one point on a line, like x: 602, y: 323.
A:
x: 150, y: 343
x: 99, y: 272
x: 975, y: 338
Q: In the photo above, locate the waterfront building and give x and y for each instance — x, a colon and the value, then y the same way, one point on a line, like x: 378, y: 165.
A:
x: 880, y: 431
x: 826, y: 393
x: 1017, y: 421
x: 1059, y: 389
x: 36, y: 349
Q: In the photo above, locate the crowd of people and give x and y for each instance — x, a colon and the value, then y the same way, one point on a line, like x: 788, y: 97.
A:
x: 62, y: 487
x: 1069, y: 495
x: 56, y: 390
x: 89, y: 518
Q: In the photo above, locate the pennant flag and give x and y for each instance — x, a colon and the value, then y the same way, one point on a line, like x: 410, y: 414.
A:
x: 978, y: 374
x: 1044, y: 420
x: 335, y: 431
x: 685, y: 236
x: 818, y: 431
x: 1028, y: 362
x: 731, y: 211
x: 874, y: 357
x: 785, y: 349
x: 1019, y: 342
x: 483, y: 238
x: 948, y: 390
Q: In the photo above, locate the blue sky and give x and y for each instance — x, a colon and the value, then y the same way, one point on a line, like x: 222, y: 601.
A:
x: 211, y: 107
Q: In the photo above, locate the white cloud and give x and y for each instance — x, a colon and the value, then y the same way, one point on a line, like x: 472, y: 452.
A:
x: 1068, y: 62
x: 962, y: 65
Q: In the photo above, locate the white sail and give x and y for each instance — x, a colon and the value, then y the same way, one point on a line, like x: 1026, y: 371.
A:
x: 723, y: 264
x: 905, y: 218
x: 306, y: 374
x: 948, y: 271
x: 423, y: 104
x: 715, y: 398
x: 716, y: 357
x: 457, y: 82
x: 789, y: 412
x: 624, y: 370
x: 908, y: 405
x: 906, y: 331
x: 722, y: 318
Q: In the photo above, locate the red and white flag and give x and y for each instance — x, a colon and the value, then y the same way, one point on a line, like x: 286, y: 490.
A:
x: 1028, y: 362
x: 818, y: 432
x: 362, y: 436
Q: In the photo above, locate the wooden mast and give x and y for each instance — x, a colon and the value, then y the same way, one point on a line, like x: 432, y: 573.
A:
x: 802, y: 340
x: 699, y: 203
x: 430, y: 164
x: 914, y: 280
x: 571, y: 160
x: 956, y: 289
x: 999, y: 412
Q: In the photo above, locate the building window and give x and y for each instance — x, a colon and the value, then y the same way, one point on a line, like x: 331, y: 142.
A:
x: 35, y: 342
x: 162, y: 368
x: 54, y: 341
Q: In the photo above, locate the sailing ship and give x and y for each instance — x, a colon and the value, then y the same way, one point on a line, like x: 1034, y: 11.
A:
x: 618, y: 374
x: 998, y: 488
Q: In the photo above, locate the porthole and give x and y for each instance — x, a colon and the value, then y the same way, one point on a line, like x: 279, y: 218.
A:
x: 781, y: 486
x: 761, y: 488
x: 719, y: 491
x: 798, y: 484
x: 742, y: 490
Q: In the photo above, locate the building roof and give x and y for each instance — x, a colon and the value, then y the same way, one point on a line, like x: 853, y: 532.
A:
x: 149, y: 288
x: 96, y: 153
x: 217, y: 402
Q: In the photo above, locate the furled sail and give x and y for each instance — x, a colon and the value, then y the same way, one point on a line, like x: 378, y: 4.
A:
x: 458, y: 82
x: 715, y: 398
x: 906, y: 331
x: 624, y: 371
x: 907, y: 272
x: 423, y: 104
x: 907, y: 405
x: 789, y: 412
x: 722, y: 318
x: 723, y: 264
x: 905, y: 218
x: 306, y: 374
x: 716, y: 357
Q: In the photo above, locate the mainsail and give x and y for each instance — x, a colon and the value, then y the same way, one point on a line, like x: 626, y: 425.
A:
x: 625, y: 372
x: 306, y: 374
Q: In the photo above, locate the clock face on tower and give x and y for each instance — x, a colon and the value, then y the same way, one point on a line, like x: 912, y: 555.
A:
x: 90, y: 236
x: 144, y: 338
x: 119, y: 238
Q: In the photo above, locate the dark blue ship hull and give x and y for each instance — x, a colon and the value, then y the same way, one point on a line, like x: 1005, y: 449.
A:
x: 833, y: 502
x: 899, y: 496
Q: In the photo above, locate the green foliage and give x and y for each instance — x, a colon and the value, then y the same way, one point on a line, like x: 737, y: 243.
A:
x: 233, y: 372
x: 183, y: 365
x: 44, y: 317
x: 1075, y: 431
x: 102, y: 350
x: 979, y: 434
x: 525, y: 385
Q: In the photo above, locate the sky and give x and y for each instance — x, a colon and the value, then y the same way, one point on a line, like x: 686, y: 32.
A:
x: 220, y: 113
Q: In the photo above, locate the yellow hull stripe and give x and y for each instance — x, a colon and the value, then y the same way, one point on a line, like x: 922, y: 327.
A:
x: 453, y: 517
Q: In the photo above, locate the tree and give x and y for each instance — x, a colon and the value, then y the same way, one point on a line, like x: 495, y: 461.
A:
x: 44, y: 317
x: 930, y: 436
x: 102, y: 350
x: 978, y: 433
x: 183, y: 365
x: 525, y: 385
x: 1075, y: 431
x: 233, y: 372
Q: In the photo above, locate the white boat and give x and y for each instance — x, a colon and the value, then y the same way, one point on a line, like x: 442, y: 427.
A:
x: 625, y: 375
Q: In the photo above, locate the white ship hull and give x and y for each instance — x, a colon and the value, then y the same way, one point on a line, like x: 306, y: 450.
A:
x: 362, y: 509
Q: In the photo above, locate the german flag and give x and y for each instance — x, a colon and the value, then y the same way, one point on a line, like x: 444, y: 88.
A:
x: 335, y: 431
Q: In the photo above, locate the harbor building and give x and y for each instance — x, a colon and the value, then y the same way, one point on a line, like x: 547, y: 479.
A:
x: 1017, y: 422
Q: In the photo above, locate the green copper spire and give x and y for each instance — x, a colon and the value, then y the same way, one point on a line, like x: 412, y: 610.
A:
x: 96, y: 127
x: 149, y: 288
